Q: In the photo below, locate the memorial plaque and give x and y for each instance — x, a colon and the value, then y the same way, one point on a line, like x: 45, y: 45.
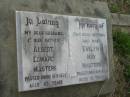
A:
x: 59, y: 50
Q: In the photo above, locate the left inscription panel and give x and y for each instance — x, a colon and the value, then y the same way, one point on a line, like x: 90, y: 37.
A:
x: 42, y: 49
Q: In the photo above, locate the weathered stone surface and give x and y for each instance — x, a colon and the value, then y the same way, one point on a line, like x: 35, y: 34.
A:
x: 120, y: 19
x: 8, y: 62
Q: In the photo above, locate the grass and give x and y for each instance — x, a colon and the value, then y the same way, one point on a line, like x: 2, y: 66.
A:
x: 119, y: 6
x: 121, y: 45
x: 114, y: 8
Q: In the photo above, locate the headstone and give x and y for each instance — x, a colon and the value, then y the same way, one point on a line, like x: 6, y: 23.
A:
x: 59, y: 50
x: 8, y: 52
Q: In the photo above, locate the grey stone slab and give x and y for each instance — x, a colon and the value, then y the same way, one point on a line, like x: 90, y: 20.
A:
x: 120, y: 19
x: 8, y: 62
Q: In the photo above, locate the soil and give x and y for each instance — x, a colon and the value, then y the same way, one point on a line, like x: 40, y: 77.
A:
x: 120, y: 81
